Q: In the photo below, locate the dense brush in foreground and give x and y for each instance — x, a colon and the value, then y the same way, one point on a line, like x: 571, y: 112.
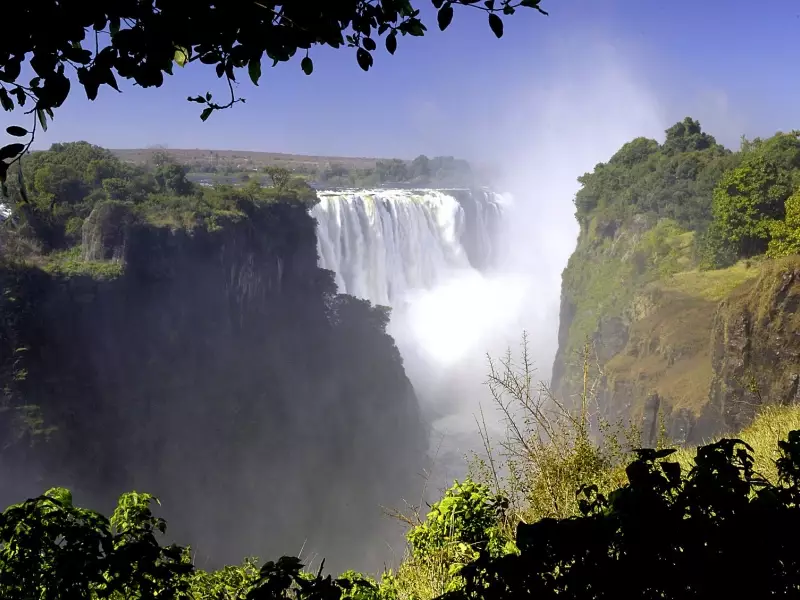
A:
x: 671, y: 531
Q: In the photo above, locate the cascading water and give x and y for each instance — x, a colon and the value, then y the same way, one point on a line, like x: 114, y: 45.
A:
x: 431, y: 256
x: 385, y: 244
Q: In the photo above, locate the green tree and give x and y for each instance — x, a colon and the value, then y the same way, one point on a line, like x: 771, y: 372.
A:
x: 785, y: 238
x: 421, y: 167
x: 280, y: 177
x: 687, y: 135
x: 635, y: 151
x: 751, y: 199
x: 171, y: 178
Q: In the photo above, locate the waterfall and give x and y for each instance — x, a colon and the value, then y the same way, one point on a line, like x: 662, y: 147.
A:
x: 384, y: 244
x: 432, y: 255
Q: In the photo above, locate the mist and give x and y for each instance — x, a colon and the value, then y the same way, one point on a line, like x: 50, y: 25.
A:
x: 554, y: 132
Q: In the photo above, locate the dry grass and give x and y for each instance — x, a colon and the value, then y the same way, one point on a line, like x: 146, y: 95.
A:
x: 711, y: 285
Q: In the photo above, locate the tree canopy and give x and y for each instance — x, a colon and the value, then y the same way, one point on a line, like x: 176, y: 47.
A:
x: 58, y: 41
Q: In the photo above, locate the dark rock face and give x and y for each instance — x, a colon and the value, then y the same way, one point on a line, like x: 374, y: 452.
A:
x: 105, y: 232
x: 224, y: 374
x: 756, y: 346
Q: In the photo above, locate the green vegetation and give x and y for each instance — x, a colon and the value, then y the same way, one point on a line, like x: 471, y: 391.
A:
x: 523, y: 531
x: 673, y: 180
x: 59, y: 190
x: 669, y: 231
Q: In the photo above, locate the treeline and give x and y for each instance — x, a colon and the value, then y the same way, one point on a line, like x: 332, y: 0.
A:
x: 740, y: 204
x: 439, y: 171
x: 59, y: 188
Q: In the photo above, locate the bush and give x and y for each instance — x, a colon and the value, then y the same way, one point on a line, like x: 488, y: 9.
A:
x: 719, y: 531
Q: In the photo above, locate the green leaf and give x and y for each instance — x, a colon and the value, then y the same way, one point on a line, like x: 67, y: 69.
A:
x: 364, y: 59
x: 181, y: 55
x: 254, y: 69
x: 206, y: 113
x: 496, y: 23
x: 391, y: 42
x: 16, y: 131
x: 307, y: 65
x: 11, y: 150
x: 445, y: 16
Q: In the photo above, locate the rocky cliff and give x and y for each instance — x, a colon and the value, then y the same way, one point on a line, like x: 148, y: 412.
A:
x: 668, y: 336
x: 699, y: 349
x: 216, y: 367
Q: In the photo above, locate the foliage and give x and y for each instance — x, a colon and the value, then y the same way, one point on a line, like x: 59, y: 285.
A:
x: 751, y: 199
x: 674, y: 180
x: 440, y: 171
x: 785, y: 235
x: 70, y: 263
x: 468, y: 520
x: 51, y: 549
x: 672, y: 530
x: 666, y: 534
x: 280, y: 177
x: 142, y: 41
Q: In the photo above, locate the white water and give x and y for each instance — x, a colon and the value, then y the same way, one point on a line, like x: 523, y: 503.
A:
x: 384, y: 245
x: 409, y: 250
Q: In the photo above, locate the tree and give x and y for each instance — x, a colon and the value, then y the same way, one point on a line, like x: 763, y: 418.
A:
x: 171, y: 178
x: 687, y: 135
x: 280, y: 177
x: 786, y: 234
x: 142, y: 40
x: 751, y: 199
x: 421, y: 167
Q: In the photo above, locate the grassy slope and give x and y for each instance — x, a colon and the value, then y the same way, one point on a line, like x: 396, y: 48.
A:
x: 669, y: 348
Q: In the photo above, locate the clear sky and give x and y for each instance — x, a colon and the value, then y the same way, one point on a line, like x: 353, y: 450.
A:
x: 735, y: 64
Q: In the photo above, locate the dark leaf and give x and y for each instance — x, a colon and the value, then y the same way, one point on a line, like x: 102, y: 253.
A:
x: 438, y: 3
x: 23, y: 191
x: 673, y: 472
x: 369, y: 44
x: 254, y: 69
x: 391, y: 42
x: 42, y: 118
x: 489, y: 4
x: 445, y: 16
x: 5, y: 100
x: 16, y: 131
x: 508, y: 9
x: 220, y: 69
x: 11, y: 150
x: 20, y: 95
x: 496, y: 23
x: 664, y: 452
x: 307, y: 65
x: 364, y: 59
x: 113, y: 26
x: 206, y: 113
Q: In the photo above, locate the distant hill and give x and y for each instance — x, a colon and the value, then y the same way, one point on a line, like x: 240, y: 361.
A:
x: 242, y: 160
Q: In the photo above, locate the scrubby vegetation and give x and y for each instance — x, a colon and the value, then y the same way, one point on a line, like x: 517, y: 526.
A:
x: 56, y: 191
x: 583, y: 521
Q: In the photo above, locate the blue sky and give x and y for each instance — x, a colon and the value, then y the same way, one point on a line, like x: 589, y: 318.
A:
x: 734, y: 64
